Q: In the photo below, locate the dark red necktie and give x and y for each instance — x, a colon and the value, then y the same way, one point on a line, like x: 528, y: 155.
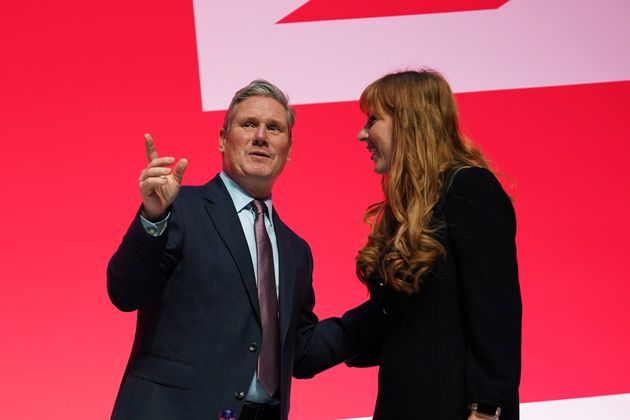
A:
x: 268, y: 371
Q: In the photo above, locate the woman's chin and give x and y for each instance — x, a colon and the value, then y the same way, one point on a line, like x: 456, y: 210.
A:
x: 380, y: 167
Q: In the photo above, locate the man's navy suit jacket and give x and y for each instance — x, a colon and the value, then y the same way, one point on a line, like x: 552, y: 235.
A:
x: 198, y: 327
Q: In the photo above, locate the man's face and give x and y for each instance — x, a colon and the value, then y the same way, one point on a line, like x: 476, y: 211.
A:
x: 256, y: 146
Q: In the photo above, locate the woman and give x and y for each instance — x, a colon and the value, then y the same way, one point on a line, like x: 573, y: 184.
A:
x: 440, y: 260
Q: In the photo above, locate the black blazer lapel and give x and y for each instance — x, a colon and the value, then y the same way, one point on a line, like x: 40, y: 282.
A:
x: 221, y: 210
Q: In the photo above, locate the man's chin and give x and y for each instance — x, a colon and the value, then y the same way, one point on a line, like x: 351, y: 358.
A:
x: 261, y: 174
x: 259, y: 177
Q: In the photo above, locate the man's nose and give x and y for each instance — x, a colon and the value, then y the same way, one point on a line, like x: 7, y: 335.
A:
x: 261, y: 134
x: 363, y: 134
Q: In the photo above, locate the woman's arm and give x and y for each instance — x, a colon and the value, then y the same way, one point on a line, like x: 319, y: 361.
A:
x: 482, y: 228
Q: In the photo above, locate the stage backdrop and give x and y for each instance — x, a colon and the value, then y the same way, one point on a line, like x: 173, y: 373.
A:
x: 543, y: 88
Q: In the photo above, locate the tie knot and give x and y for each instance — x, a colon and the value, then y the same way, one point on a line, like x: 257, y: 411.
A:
x: 259, y: 207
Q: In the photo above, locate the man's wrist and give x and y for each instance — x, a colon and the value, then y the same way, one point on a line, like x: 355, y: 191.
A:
x: 154, y: 229
x: 152, y: 218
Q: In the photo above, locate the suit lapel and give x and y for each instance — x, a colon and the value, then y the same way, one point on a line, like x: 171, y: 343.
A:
x: 221, y: 210
x: 286, y: 261
x: 224, y: 218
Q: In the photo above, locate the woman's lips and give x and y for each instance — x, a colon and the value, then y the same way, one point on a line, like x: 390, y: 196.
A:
x: 373, y: 152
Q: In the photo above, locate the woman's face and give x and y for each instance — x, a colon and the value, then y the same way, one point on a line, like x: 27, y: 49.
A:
x: 377, y: 135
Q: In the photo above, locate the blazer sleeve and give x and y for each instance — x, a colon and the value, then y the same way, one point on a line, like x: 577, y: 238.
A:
x: 138, y: 269
x: 482, y: 229
x: 321, y: 344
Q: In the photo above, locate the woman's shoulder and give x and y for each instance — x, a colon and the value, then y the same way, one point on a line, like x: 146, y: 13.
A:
x: 471, y: 183
x: 476, y: 191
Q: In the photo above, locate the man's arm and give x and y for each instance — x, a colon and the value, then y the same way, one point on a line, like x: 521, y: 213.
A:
x: 138, y: 268
x: 136, y: 271
x: 323, y: 344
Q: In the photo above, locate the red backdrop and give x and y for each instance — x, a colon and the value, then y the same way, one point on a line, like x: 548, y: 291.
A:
x: 81, y: 82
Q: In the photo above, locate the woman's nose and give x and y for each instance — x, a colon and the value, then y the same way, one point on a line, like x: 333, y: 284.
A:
x: 363, y: 134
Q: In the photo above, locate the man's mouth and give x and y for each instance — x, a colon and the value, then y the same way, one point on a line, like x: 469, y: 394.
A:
x: 260, y: 153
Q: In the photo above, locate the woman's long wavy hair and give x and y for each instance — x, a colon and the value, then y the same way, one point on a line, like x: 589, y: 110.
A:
x: 428, y: 148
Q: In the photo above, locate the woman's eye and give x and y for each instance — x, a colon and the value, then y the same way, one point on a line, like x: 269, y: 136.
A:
x: 370, y: 121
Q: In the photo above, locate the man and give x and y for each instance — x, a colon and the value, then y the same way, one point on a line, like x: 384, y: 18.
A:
x: 222, y: 287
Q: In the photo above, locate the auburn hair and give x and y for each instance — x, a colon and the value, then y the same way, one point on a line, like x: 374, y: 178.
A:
x: 427, y: 150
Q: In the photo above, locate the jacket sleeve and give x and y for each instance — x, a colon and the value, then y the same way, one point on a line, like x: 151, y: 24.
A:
x: 326, y: 343
x: 482, y: 229
x: 142, y: 263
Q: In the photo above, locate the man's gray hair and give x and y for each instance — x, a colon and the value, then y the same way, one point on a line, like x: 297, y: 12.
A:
x: 259, y: 87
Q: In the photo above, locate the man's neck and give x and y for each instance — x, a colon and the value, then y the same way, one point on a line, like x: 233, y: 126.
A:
x: 255, y: 190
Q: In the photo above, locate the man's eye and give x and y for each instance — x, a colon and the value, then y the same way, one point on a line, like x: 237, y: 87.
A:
x: 274, y: 128
x: 248, y: 124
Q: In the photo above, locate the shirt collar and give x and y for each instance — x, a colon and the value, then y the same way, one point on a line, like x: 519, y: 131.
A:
x: 242, y: 198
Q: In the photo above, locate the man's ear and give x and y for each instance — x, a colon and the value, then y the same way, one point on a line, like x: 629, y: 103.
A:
x: 222, y: 140
x: 289, y: 152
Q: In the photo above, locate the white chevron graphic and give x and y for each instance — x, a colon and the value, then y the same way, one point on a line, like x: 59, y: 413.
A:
x: 525, y: 43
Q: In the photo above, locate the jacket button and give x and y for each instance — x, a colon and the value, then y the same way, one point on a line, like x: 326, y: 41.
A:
x: 252, y: 347
x: 239, y: 395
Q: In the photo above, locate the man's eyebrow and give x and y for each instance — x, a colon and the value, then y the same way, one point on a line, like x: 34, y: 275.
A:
x: 274, y: 121
x: 246, y: 117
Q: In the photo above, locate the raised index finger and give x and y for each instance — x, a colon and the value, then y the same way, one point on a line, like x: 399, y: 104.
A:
x: 150, y: 146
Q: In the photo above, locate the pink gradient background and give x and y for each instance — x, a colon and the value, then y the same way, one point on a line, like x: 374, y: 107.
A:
x: 81, y: 82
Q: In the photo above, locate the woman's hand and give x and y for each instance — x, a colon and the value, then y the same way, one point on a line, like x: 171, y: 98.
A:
x: 474, y: 415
